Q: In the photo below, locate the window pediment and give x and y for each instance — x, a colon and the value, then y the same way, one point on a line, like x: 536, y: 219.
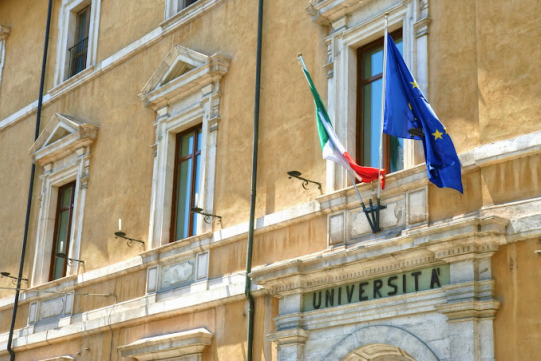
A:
x: 169, y: 345
x: 62, y: 136
x: 324, y: 12
x: 182, y: 72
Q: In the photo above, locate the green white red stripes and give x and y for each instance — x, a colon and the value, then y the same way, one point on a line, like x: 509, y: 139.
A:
x: 331, y: 146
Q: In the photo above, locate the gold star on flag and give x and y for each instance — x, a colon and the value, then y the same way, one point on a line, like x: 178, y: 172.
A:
x: 414, y: 84
x: 409, y: 104
x: 437, y: 135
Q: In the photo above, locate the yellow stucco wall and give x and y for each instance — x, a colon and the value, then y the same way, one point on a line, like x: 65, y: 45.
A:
x: 24, y: 53
x: 479, y: 100
x: 453, y: 70
x: 123, y: 22
x: 16, y: 162
x: 517, y: 327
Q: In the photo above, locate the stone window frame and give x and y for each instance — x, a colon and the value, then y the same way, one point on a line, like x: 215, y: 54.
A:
x: 63, y: 150
x: 173, y: 7
x: 174, y: 16
x: 353, y: 24
x: 361, y: 82
x: 184, y: 91
x: 4, y: 32
x: 66, y: 33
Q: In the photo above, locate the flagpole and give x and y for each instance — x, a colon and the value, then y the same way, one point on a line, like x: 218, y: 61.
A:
x: 383, y: 102
x: 302, y: 61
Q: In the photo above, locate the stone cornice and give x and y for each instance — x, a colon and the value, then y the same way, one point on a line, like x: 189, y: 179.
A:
x: 201, y: 70
x: 169, y: 345
x: 326, y: 12
x: 81, y: 135
x: 470, y: 237
x: 296, y: 336
x: 224, y: 290
x: 469, y: 310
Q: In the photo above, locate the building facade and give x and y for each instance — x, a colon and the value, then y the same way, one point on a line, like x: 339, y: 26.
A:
x: 148, y: 121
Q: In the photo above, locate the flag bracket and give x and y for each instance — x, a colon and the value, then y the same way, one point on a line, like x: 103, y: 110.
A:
x: 372, y: 214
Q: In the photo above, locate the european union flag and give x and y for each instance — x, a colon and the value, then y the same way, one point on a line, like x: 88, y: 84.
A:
x: 408, y: 115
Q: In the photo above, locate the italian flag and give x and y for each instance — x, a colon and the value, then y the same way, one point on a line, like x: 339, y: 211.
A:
x: 331, y: 146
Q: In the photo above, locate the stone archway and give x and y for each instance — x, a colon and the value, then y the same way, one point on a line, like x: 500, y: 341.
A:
x: 387, y: 339
x: 378, y: 352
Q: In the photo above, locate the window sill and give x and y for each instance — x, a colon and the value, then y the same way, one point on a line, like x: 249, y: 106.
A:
x: 72, y: 82
x: 190, y: 13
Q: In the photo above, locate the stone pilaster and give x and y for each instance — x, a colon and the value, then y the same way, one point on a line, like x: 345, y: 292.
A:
x: 470, y: 307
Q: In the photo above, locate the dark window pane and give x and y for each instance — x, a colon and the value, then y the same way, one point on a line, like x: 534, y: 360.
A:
x: 371, y: 122
x: 397, y: 153
x: 371, y: 113
x: 66, y: 198
x: 186, y: 145
x: 61, y: 242
x: 184, y: 186
x: 58, y: 268
x: 196, y: 190
x: 81, y: 25
x: 373, y: 62
x: 63, y: 224
x: 199, y: 141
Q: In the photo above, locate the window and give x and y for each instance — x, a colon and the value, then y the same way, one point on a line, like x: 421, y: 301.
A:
x: 79, y: 50
x: 63, y: 150
x: 185, y: 91
x: 370, y: 73
x: 186, y: 183
x: 61, y: 240
x: 351, y: 26
x: 78, y: 29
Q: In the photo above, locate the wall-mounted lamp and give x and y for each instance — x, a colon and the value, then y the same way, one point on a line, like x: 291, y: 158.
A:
x: 13, y: 278
x: 129, y: 240
x: 70, y: 260
x: 416, y: 132
x: 209, y: 218
x: 305, y: 182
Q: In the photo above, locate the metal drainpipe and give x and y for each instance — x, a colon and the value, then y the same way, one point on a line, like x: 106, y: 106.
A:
x: 247, y: 290
x: 30, y: 187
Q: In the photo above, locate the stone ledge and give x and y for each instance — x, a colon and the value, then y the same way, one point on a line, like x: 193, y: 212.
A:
x: 290, y: 337
x: 463, y: 237
x: 170, y: 345
x: 469, y: 311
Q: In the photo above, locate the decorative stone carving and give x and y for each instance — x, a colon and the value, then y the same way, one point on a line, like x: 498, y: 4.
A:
x: 176, y: 274
x: 51, y: 308
x: 181, y: 73
x: 357, y: 341
x: 390, y: 218
x: 290, y: 343
x: 337, y: 228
